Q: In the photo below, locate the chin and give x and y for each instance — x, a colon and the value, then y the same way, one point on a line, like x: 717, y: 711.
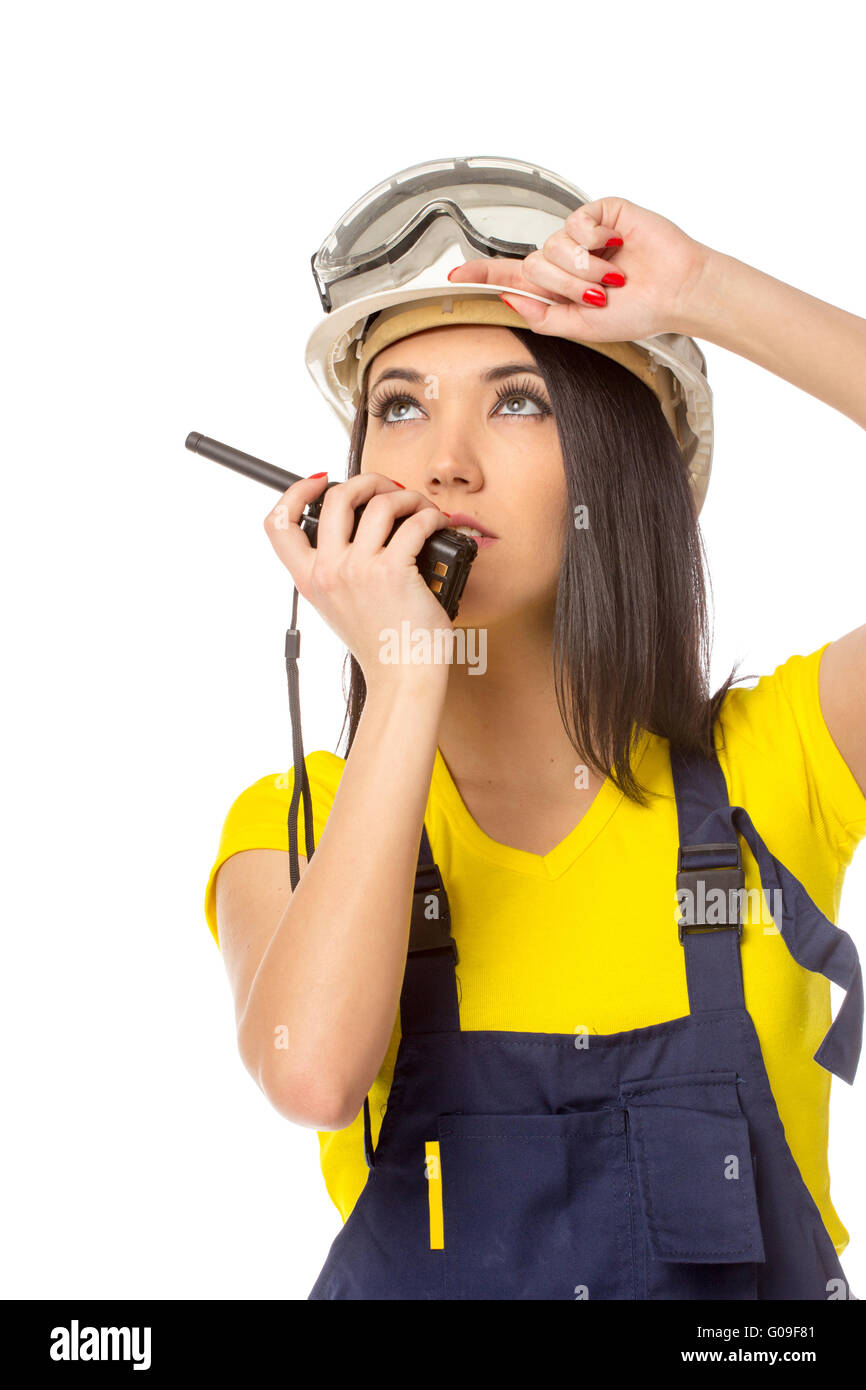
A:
x: 483, y: 605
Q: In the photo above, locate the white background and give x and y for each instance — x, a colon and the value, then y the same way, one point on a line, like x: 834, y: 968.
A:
x: 168, y: 171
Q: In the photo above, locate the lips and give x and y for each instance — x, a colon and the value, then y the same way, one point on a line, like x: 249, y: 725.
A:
x: 462, y: 521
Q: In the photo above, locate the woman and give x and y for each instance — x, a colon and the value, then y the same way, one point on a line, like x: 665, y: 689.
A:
x: 581, y: 1106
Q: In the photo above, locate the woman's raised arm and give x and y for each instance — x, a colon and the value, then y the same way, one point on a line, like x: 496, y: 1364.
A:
x: 317, y: 974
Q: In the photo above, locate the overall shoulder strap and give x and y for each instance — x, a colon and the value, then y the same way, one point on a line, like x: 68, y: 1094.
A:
x: 429, y: 998
x: 710, y: 858
x: 428, y: 1003
x: 709, y: 867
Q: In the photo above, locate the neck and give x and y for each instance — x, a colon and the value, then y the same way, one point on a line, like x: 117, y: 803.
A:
x: 503, y: 726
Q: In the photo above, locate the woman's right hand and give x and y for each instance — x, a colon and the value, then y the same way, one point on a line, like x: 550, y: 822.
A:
x: 362, y: 587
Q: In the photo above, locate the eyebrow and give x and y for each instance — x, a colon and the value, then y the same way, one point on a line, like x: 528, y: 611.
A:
x: 492, y: 374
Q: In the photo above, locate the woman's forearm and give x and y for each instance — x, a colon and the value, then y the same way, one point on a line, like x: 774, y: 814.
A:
x: 812, y: 344
x: 332, y: 974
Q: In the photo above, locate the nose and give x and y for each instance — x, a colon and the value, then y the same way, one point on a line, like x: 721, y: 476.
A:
x: 453, y: 464
x: 449, y: 474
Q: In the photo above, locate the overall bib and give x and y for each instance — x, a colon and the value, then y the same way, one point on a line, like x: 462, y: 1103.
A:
x: 649, y: 1164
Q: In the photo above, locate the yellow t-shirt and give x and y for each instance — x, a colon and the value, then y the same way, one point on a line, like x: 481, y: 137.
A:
x: 584, y: 937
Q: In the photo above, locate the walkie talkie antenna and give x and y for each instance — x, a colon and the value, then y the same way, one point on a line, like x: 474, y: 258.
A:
x: 255, y: 468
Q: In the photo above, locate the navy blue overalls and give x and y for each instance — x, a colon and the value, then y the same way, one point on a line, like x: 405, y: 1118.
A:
x: 649, y: 1164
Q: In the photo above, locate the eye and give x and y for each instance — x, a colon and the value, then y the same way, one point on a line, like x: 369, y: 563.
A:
x: 522, y: 391
x: 381, y: 406
x: 517, y: 396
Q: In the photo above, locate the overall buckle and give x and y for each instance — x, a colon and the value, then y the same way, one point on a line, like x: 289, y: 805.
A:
x: 699, y: 883
x: 430, y: 933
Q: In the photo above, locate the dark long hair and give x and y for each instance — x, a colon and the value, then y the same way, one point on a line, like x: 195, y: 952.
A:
x: 631, y: 642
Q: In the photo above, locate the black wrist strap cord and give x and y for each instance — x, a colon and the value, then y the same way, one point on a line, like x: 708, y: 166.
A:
x: 301, y: 781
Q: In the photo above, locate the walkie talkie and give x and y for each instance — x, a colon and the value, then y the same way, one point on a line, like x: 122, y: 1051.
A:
x: 443, y: 561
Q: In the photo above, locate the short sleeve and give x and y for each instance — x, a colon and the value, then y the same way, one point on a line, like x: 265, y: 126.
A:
x: 258, y: 817
x: 782, y: 717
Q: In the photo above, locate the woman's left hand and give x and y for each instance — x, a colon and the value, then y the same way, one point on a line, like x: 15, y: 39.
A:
x: 662, y: 269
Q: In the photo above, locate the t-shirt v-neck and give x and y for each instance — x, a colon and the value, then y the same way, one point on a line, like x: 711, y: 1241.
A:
x: 558, y: 860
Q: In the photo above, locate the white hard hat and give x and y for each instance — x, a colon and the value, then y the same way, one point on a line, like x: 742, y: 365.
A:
x: 393, y: 249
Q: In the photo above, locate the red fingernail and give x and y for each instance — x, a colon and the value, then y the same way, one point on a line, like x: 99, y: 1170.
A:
x: 595, y: 297
x: 614, y: 241
x: 402, y: 485
x: 448, y: 514
x: 613, y: 278
x: 320, y: 475
x: 451, y: 272
x: 510, y: 305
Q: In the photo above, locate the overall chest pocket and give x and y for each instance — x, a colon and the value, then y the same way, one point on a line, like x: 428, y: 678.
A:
x: 536, y: 1206
x: 691, y: 1152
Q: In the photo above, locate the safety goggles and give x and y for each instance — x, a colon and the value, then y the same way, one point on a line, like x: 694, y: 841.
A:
x: 481, y: 206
